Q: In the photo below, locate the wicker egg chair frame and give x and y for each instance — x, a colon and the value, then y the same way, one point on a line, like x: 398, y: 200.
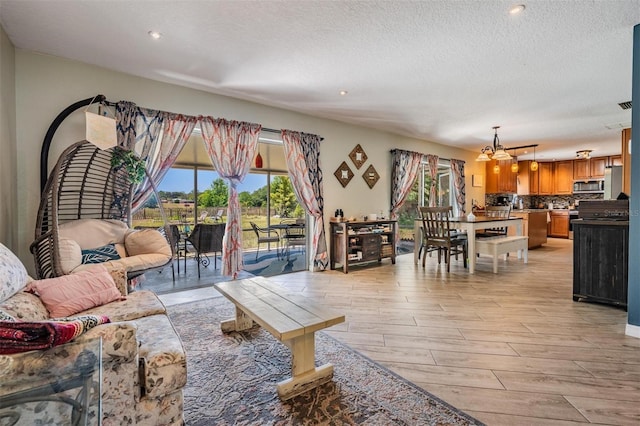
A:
x: 82, y: 185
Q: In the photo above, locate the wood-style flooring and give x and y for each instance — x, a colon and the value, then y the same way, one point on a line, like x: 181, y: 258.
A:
x: 509, y: 349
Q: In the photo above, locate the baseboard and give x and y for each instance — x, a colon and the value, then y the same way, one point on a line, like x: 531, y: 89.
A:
x: 633, y: 331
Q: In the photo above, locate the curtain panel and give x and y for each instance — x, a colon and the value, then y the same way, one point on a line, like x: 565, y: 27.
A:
x: 302, y: 153
x: 404, y: 170
x: 231, y: 145
x: 457, y: 172
x: 432, y: 164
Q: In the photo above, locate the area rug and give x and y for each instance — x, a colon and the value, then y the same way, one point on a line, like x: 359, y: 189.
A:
x: 232, y: 380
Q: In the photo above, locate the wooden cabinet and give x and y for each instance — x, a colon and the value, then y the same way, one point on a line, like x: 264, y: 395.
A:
x: 626, y: 161
x: 534, y: 225
x: 545, y: 178
x: 362, y: 242
x: 503, y: 182
x: 591, y: 168
x: 563, y: 177
x: 615, y: 160
x: 601, y: 261
x: 559, y: 225
x: 527, y: 180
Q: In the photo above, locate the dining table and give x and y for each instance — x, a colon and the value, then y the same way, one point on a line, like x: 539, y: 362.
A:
x: 470, y: 226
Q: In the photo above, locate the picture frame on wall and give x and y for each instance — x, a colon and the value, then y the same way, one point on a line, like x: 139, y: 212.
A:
x: 358, y: 156
x: 477, y: 180
x: 371, y: 176
x: 344, y: 174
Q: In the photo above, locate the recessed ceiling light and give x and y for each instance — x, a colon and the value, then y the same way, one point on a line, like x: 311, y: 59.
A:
x: 155, y: 35
x: 516, y: 9
x: 343, y: 92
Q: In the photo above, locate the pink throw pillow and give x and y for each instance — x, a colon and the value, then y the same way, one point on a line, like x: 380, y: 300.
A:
x: 70, y: 294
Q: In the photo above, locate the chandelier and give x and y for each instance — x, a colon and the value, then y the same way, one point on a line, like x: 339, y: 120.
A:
x: 495, y: 152
x: 584, y: 154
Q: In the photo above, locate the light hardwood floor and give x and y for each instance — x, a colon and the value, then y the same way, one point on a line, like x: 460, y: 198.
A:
x: 509, y: 349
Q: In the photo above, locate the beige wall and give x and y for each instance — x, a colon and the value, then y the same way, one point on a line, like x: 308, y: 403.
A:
x: 8, y: 188
x: 46, y: 85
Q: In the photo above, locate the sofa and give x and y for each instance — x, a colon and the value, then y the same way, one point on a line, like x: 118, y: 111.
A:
x: 143, y: 360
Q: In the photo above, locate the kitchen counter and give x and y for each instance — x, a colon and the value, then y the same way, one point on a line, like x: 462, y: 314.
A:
x: 534, y: 225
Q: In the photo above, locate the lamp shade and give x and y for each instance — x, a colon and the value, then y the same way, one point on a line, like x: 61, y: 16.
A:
x: 534, y: 166
x: 501, y: 154
x: 483, y: 157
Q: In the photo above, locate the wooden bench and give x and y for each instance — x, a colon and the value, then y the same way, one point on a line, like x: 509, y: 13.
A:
x: 292, y: 319
x: 503, y: 245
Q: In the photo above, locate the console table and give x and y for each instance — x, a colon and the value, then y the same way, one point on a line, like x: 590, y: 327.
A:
x: 355, y: 242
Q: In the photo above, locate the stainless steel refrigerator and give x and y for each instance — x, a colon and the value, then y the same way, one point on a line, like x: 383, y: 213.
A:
x: 612, y: 182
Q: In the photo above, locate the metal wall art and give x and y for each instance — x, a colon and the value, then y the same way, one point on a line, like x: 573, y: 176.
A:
x: 344, y: 174
x: 371, y: 176
x: 358, y: 156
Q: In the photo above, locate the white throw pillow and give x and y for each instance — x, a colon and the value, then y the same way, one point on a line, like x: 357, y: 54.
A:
x: 13, y: 275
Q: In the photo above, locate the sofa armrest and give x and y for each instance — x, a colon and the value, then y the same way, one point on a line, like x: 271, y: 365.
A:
x: 119, y: 342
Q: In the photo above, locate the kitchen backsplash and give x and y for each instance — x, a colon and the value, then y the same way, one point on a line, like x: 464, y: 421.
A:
x: 535, y: 201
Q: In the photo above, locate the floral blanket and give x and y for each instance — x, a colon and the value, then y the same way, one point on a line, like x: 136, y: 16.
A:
x: 23, y: 336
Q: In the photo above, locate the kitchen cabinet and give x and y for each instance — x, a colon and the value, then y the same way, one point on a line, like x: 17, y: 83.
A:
x: 600, y: 261
x: 354, y: 242
x: 503, y: 182
x: 534, y: 225
x: 590, y: 168
x: 563, y: 177
x: 615, y: 160
x: 559, y: 225
x: 545, y: 178
x: 527, y: 180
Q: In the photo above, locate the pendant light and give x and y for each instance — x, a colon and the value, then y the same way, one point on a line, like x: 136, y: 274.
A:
x: 258, y: 159
x: 514, y: 165
x: 495, y: 152
x: 534, y: 164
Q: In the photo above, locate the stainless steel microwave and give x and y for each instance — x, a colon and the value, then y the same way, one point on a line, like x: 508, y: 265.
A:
x: 588, y: 186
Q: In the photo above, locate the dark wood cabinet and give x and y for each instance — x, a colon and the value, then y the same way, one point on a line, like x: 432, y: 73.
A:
x: 354, y: 242
x: 600, y: 261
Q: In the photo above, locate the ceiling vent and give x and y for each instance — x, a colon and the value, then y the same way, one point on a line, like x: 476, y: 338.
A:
x: 625, y: 105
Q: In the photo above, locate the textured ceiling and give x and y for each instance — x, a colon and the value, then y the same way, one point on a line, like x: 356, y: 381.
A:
x: 444, y: 71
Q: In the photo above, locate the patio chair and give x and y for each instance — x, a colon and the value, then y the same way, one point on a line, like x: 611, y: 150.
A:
x: 439, y: 234
x: 206, y: 238
x: 266, y: 235
x: 294, y: 234
x: 218, y: 216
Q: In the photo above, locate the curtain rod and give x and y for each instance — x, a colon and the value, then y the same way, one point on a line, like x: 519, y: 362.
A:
x: 264, y: 129
x: 398, y: 149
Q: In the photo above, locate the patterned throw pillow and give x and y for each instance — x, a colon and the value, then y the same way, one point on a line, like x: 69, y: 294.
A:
x: 5, y: 316
x: 13, y: 275
x: 100, y: 254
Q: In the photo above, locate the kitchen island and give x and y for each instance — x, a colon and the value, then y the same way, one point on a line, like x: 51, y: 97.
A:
x: 534, y: 225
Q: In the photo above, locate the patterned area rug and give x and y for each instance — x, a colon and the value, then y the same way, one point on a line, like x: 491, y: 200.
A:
x: 232, y: 379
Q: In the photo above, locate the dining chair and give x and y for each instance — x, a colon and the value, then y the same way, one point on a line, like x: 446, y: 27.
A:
x: 266, y: 235
x: 440, y: 236
x: 502, y: 212
x: 206, y: 238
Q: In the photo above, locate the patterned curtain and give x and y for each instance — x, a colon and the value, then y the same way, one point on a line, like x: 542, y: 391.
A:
x: 302, y: 152
x: 404, y: 171
x: 159, y: 157
x: 126, y: 115
x: 457, y: 172
x: 231, y: 146
x: 432, y: 163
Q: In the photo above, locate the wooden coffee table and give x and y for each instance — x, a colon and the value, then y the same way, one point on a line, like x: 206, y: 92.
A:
x: 293, y: 319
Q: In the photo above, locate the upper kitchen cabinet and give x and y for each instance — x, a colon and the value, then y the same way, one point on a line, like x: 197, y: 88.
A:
x: 501, y: 179
x: 563, y: 177
x: 615, y: 160
x: 545, y: 178
x: 527, y: 183
x: 590, y: 168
